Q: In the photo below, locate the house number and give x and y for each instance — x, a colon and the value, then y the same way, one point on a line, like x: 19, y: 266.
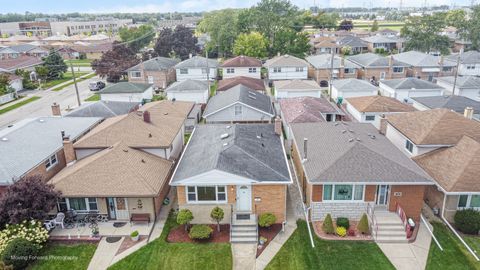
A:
x: 397, y: 194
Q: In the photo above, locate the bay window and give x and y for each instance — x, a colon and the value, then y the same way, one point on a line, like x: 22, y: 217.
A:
x: 343, y: 192
x: 206, y: 193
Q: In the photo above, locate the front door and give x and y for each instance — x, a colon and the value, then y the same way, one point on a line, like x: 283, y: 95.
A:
x: 244, y: 198
x: 382, y: 194
x: 112, y: 214
x: 121, y: 208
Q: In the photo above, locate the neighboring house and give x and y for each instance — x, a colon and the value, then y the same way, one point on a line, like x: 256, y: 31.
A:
x: 321, y: 67
x: 239, y: 104
x: 455, y: 103
x: 325, y: 45
x: 241, y: 168
x: 14, y: 81
x: 374, y: 67
x: 197, y: 68
x: 467, y: 86
x: 30, y: 50
x: 346, y: 88
x: 122, y: 167
x: 296, y: 88
x: 255, y: 84
x: 385, y: 43
x: 407, y: 88
x: 92, y: 51
x: 189, y: 90
x: 286, y: 67
x: 101, y: 108
x: 127, y: 92
x: 8, y: 53
x: 469, y: 63
x: 354, y: 44
x: 241, y: 66
x: 307, y: 110
x: 24, y: 154
x: 372, y: 109
x: 22, y: 62
x: 425, y: 66
x: 344, y: 169
x: 159, y: 71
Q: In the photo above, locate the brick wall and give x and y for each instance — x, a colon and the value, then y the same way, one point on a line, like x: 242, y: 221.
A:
x: 273, y: 200
x: 47, y: 174
x: 160, y: 78
x: 411, y: 199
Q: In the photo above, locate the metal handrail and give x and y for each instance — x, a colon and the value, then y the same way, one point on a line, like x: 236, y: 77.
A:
x: 371, y: 214
x: 401, y: 213
x: 231, y: 221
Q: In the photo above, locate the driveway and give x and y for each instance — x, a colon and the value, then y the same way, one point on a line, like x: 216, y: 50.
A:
x: 42, y: 107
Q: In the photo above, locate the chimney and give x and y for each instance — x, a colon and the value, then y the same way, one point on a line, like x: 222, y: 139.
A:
x: 305, y: 141
x: 468, y: 113
x: 146, y: 117
x: 278, y: 126
x: 189, y: 55
x: 56, y: 109
x: 68, y: 150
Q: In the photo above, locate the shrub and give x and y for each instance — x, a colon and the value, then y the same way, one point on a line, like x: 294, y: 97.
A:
x: 32, y: 231
x: 327, y: 225
x: 3, y: 266
x: 341, y: 231
x: 200, y: 232
x: 351, y: 232
x: 217, y: 215
x: 19, y: 248
x: 343, y: 222
x: 184, y: 217
x: 468, y: 221
x: 134, y: 234
x: 266, y: 220
x: 363, y: 225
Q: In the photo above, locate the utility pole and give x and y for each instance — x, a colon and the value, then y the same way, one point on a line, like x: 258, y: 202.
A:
x: 208, y: 71
x: 76, y: 86
x: 456, y: 72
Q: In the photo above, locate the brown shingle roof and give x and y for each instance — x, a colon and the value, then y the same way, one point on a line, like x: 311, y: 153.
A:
x: 242, y: 61
x: 306, y: 109
x: 19, y: 62
x: 117, y: 171
x: 455, y: 169
x: 435, y: 127
x: 167, y: 119
x: 252, y: 83
x: 379, y: 104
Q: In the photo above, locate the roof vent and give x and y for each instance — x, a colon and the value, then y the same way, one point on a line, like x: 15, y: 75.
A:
x: 227, y: 127
x: 343, y: 131
x: 351, y: 131
x: 143, y: 160
x: 358, y: 139
x: 225, y: 144
x: 224, y: 136
x: 336, y: 124
x: 252, y: 97
x: 41, y: 120
x: 125, y: 150
x: 373, y: 137
x: 350, y: 140
x: 4, y: 139
x: 252, y: 93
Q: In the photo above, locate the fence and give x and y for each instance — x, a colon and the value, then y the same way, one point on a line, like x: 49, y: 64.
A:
x: 7, y: 98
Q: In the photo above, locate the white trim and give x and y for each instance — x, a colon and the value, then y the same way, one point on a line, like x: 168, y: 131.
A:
x: 234, y: 103
x: 250, y: 206
x: 344, y: 201
x: 51, y: 164
x: 206, y: 202
x: 374, y: 183
x: 67, y: 201
x: 469, y: 200
x: 181, y: 157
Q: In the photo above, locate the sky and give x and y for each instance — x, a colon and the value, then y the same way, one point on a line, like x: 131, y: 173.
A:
x: 141, y: 6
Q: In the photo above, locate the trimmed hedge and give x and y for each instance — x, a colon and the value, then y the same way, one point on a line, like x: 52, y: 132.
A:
x: 467, y: 221
x: 327, y: 225
x: 19, y: 248
x: 200, y: 232
x: 343, y: 222
x: 266, y: 220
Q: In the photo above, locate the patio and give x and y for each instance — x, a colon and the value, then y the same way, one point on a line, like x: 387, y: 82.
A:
x: 83, y: 231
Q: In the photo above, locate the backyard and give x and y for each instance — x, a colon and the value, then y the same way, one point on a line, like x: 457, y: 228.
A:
x: 63, y: 256
x: 297, y: 253
x: 160, y: 254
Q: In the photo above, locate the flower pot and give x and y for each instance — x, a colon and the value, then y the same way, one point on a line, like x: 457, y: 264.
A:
x: 135, y: 238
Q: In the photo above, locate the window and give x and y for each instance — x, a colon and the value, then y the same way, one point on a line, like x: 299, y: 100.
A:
x: 369, y: 117
x: 462, y: 201
x: 471, y: 66
x: 51, y: 162
x: 206, y: 193
x: 397, y: 69
x: 78, y: 204
x: 409, y: 146
x: 343, y: 192
x: 469, y: 201
x: 204, y: 71
x: 183, y: 71
x: 277, y: 69
x: 62, y: 205
x: 475, y: 201
x: 92, y: 203
x: 299, y: 69
x: 358, y: 194
x: 135, y: 74
x: 252, y: 70
x: 349, y: 70
x: 382, y: 76
x: 230, y: 70
x: 327, y: 192
x: 447, y: 69
x: 238, y: 110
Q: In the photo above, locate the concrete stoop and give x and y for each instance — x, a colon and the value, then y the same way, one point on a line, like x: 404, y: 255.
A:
x: 390, y: 228
x: 244, y: 233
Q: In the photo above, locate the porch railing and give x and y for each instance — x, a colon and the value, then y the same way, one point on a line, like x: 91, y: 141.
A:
x: 373, y: 218
x: 401, y: 213
x: 231, y: 221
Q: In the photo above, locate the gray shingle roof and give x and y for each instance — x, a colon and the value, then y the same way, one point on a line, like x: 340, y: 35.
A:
x: 243, y: 94
x: 323, y: 61
x: 382, y: 39
x: 285, y: 61
x: 156, y: 64
x: 23, y: 48
x: 467, y: 82
x: 355, y: 152
x: 352, y: 41
x: 188, y: 85
x: 103, y: 109
x: 125, y: 87
x: 29, y: 142
x: 419, y: 59
x: 197, y: 62
x: 353, y: 85
x: 259, y: 159
x: 455, y: 103
x: 411, y: 83
x: 374, y: 60
x: 470, y: 57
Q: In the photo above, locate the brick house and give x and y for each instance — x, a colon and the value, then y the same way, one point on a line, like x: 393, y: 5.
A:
x: 425, y: 66
x: 241, y: 168
x: 320, y: 67
x: 22, y: 154
x: 387, y: 43
x: 374, y: 67
x: 159, y: 71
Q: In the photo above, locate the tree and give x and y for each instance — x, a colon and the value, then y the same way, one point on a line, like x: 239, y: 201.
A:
x: 470, y: 30
x: 374, y: 26
x: 346, y: 25
x: 28, y: 198
x: 325, y: 20
x: 42, y: 72
x: 137, y: 37
x: 456, y: 18
x: 55, y: 65
x: 327, y: 225
x: 114, y: 62
x: 180, y: 42
x: 253, y: 44
x: 4, y: 84
x: 184, y: 217
x: 217, y: 215
x: 363, y: 225
x: 291, y: 42
x: 221, y: 26
x: 422, y: 34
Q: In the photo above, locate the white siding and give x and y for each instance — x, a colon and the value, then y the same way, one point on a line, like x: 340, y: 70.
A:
x: 288, y: 73
x: 462, y: 70
x: 228, y: 115
x: 406, y: 94
x: 336, y: 93
x: 399, y: 140
x: 83, y: 153
x: 167, y: 153
x: 196, y: 74
x: 193, y: 96
x: 241, y: 71
x: 128, y: 97
x: 291, y: 93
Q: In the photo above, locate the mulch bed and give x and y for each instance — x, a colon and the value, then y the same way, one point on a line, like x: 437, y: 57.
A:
x: 179, y: 235
x: 74, y: 239
x: 268, y: 233
x: 128, y: 243
x: 317, y: 226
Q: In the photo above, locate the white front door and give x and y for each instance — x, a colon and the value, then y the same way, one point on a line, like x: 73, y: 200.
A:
x: 382, y: 194
x: 121, y: 208
x: 244, y: 198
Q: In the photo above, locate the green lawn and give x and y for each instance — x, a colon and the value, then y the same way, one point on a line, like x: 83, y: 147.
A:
x: 454, y: 256
x: 297, y: 253
x: 77, y: 257
x: 94, y: 97
x: 473, y: 242
x: 71, y: 83
x: 19, y: 104
x: 79, y: 62
x: 160, y: 254
x: 67, y: 76
x: 213, y: 89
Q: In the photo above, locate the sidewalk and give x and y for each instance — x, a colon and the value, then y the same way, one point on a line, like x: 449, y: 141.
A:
x: 104, y: 254
x: 244, y: 256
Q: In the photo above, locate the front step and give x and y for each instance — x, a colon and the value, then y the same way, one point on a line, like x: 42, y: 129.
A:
x: 392, y: 239
x: 243, y: 229
x: 389, y: 228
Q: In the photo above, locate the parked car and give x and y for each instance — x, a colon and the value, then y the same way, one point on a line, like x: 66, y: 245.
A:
x: 95, y: 86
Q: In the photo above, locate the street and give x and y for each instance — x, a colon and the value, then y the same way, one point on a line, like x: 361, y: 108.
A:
x: 65, y: 97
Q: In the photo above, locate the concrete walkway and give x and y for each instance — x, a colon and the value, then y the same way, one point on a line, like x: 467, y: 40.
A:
x: 411, y: 256
x: 104, y: 254
x: 244, y: 256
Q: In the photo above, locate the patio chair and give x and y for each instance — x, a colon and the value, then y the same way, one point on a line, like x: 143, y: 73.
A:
x: 49, y: 225
x: 58, y: 220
